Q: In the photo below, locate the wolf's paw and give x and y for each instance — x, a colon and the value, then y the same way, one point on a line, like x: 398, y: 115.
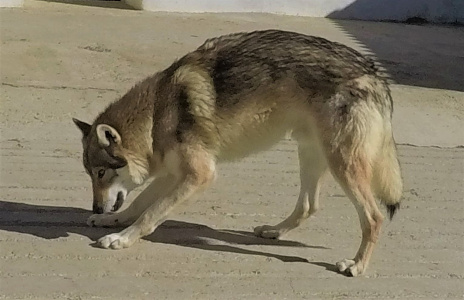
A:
x: 268, y: 232
x: 350, y: 268
x: 103, y: 220
x: 115, y: 241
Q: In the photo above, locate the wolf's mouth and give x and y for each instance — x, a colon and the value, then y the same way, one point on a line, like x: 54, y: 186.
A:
x: 119, y: 201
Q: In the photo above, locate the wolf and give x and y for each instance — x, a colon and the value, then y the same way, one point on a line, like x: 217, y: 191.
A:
x: 235, y: 95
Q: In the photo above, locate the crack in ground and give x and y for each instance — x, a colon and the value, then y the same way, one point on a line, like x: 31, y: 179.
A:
x: 62, y: 87
x: 431, y: 146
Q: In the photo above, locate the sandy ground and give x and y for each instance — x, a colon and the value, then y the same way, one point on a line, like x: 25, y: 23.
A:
x: 61, y: 60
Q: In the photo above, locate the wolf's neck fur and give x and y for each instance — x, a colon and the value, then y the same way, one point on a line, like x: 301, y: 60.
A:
x: 132, y: 117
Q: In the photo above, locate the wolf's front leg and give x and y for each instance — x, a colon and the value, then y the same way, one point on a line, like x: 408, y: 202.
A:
x: 193, y: 175
x: 160, y: 187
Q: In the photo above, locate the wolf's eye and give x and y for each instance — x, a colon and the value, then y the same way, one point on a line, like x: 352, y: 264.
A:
x: 101, y: 173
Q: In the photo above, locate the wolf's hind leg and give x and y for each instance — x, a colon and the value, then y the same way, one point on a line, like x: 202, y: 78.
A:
x: 358, y: 189
x: 312, y: 168
x: 355, y: 177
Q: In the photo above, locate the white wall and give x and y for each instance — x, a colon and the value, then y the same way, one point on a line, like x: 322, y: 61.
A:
x: 399, y: 10
x: 290, y: 7
x: 11, y: 3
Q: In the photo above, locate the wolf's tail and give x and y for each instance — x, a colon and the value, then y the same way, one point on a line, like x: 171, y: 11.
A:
x: 387, y: 181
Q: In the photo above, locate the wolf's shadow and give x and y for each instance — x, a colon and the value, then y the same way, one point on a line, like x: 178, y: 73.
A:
x: 51, y: 222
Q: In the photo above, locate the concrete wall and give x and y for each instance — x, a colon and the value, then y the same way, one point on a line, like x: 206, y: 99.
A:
x: 11, y: 3
x: 289, y: 7
x: 399, y: 10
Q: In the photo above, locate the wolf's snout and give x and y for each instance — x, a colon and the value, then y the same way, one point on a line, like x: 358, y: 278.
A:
x: 97, y: 209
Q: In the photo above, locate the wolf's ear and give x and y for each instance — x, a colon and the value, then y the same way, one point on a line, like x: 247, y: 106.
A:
x: 107, y: 135
x: 84, y: 127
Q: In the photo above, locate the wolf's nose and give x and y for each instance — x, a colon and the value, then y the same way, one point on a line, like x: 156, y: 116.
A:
x: 97, y: 210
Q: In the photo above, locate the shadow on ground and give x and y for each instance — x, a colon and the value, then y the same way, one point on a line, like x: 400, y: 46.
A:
x: 422, y: 11
x: 95, y: 3
x: 417, y: 55
x: 51, y: 222
x: 423, y: 55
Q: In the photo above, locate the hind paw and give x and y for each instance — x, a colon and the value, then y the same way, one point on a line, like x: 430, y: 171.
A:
x: 350, y: 268
x: 268, y: 232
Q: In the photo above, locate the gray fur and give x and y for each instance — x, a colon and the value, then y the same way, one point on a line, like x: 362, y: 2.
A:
x: 235, y: 95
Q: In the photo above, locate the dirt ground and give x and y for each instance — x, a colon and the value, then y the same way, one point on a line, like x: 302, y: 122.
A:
x: 62, y: 60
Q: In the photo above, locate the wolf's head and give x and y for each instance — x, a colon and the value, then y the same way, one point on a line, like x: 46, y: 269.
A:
x: 106, y: 163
